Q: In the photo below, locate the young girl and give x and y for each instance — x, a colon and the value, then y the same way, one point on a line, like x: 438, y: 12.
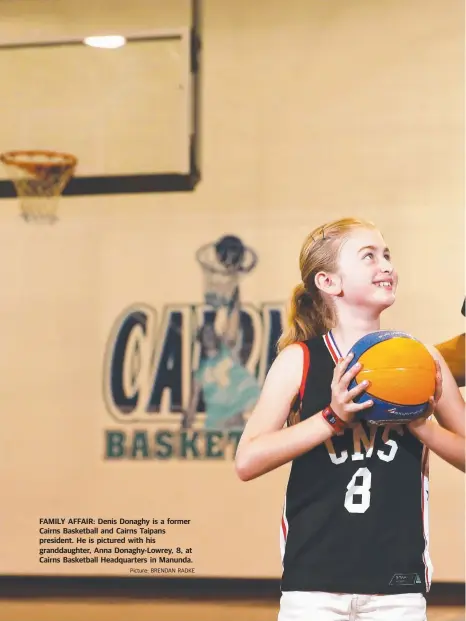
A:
x: 354, y: 533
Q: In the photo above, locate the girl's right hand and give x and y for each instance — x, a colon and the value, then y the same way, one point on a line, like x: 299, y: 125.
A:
x: 342, y: 398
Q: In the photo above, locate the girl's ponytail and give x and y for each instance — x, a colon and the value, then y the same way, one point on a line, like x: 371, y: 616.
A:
x: 308, y: 316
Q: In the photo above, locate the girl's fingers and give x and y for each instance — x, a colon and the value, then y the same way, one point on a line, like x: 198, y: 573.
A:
x: 438, y: 382
x: 359, y: 389
x: 349, y: 375
x: 341, y: 367
x: 357, y: 407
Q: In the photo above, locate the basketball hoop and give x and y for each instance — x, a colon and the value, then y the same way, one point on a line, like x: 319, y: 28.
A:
x: 39, y: 178
x: 220, y: 280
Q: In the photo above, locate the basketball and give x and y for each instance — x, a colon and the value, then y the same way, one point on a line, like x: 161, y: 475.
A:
x: 401, y: 372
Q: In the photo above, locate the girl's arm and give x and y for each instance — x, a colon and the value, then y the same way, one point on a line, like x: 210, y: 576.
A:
x: 446, y: 444
x: 265, y: 444
x: 450, y: 407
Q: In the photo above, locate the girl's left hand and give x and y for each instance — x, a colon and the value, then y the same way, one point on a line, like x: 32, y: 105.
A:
x: 418, y: 422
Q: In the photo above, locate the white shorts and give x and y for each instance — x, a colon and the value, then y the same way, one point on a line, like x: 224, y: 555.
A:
x: 318, y: 606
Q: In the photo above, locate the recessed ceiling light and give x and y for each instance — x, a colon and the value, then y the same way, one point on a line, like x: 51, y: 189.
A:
x: 110, y: 42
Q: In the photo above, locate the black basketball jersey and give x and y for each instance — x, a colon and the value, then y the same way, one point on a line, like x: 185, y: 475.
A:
x: 355, y: 517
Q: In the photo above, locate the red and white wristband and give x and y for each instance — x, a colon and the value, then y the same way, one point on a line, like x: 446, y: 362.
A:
x: 333, y: 420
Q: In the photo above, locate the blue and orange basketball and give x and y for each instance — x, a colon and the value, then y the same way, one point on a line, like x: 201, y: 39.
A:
x: 401, y: 372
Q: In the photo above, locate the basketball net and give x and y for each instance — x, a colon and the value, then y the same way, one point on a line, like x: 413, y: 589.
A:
x: 39, y: 178
x: 219, y: 287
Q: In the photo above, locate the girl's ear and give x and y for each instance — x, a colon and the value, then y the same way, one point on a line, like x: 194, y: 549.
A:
x: 328, y: 283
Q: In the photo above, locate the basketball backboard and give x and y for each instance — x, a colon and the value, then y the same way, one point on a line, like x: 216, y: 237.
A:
x: 129, y: 114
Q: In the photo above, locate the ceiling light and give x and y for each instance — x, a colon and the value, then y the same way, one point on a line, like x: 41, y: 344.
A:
x: 110, y: 42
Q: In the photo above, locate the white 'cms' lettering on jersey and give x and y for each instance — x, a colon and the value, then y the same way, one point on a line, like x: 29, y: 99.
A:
x: 363, y: 445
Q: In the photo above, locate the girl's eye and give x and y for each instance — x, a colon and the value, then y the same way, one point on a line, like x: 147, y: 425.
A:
x: 369, y: 254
